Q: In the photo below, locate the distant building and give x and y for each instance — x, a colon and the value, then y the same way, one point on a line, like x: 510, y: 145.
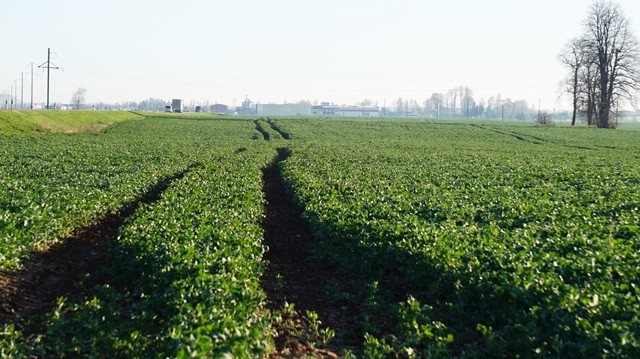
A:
x: 283, y: 109
x: 220, y: 109
x: 325, y: 109
x: 247, y: 107
x: 176, y: 105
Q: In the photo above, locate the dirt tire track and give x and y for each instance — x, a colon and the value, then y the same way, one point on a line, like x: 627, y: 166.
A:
x: 45, y: 276
x: 259, y: 128
x: 285, y: 135
x: 293, y: 276
x: 32, y: 290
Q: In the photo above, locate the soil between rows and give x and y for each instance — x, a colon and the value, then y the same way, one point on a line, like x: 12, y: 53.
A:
x: 45, y: 276
x: 32, y: 290
x: 292, y: 276
x: 295, y: 276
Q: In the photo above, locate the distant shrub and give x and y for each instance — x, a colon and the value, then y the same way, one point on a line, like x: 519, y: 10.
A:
x: 544, y: 119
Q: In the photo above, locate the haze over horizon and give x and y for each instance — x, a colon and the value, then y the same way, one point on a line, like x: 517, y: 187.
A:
x: 284, y: 50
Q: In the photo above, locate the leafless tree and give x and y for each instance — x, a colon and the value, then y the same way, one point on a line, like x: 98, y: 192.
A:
x: 452, y: 101
x: 588, y: 87
x: 436, y: 101
x: 616, y: 52
x: 400, y: 106
x: 79, y: 97
x: 466, y: 97
x: 544, y: 119
x: 573, y: 57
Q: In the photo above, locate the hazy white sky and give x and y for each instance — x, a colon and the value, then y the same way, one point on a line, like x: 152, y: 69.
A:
x: 339, y: 51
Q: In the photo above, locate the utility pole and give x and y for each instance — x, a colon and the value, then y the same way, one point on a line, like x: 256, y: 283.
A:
x: 22, y: 92
x: 31, y: 86
x: 14, y: 95
x: 468, y: 107
x: 48, y: 67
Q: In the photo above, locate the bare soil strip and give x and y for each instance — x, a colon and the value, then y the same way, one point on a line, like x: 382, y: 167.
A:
x: 293, y: 276
x: 45, y: 276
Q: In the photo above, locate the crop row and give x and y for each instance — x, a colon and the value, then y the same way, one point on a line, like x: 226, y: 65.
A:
x: 266, y: 129
x: 182, y: 276
x: 478, y: 249
x: 477, y: 241
x: 51, y: 185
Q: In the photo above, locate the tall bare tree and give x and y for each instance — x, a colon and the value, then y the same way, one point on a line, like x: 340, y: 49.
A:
x: 452, y: 101
x: 436, y: 101
x: 400, y: 106
x: 617, y: 56
x: 589, y: 94
x: 467, y: 101
x: 78, y: 98
x: 573, y: 57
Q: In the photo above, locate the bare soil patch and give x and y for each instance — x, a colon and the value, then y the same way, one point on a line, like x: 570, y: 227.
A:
x: 68, y: 269
x: 45, y: 276
x: 295, y: 276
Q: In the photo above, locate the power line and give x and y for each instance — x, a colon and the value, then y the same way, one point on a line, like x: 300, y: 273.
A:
x: 48, y: 67
x: 31, y: 86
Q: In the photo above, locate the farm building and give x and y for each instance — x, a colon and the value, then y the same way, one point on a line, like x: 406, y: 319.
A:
x: 326, y: 109
x: 283, y: 110
x: 219, y: 108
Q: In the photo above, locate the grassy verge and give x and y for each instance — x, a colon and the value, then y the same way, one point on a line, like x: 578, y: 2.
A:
x: 12, y: 122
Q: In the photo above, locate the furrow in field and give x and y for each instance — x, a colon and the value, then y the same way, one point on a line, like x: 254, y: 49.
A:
x: 55, y: 272
x: 295, y: 277
x: 512, y: 134
x: 274, y: 126
x: 259, y: 128
x: 539, y: 140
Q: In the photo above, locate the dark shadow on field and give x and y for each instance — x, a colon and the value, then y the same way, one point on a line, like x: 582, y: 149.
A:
x: 538, y: 140
x: 264, y: 132
x: 113, y: 292
x: 276, y: 127
x: 295, y: 276
x: 514, y: 321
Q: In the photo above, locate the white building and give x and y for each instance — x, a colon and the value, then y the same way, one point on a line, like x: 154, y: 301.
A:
x: 326, y: 109
x: 283, y: 110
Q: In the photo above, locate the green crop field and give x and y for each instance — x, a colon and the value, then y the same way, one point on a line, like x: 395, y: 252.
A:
x: 449, y: 238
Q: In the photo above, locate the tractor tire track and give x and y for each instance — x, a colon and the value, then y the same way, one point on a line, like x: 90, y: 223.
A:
x: 32, y: 289
x: 294, y: 276
x: 259, y: 128
x: 532, y: 139
x: 275, y: 127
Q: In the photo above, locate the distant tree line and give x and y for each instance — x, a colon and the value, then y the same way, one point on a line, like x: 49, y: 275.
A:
x: 603, y: 66
x: 151, y: 104
x: 459, y: 102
